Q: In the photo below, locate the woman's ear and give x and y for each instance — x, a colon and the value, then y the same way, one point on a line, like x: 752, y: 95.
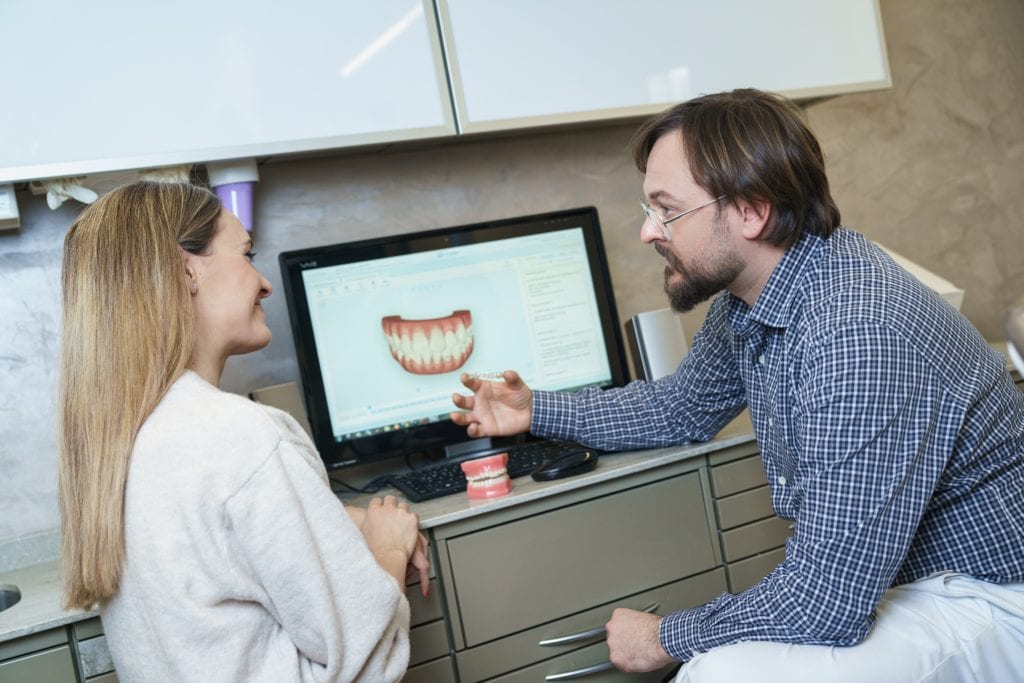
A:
x: 755, y: 215
x: 188, y: 262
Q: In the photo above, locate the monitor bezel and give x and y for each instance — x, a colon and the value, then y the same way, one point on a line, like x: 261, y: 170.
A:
x: 432, y: 438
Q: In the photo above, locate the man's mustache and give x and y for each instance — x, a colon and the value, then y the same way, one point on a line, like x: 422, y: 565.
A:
x: 667, y: 254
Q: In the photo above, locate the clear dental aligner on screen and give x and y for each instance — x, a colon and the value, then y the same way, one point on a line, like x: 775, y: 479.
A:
x: 394, y: 334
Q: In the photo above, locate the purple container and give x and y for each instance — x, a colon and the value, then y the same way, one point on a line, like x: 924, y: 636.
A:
x: 237, y: 198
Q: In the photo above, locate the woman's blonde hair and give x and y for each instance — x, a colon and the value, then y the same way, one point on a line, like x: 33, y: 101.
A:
x: 127, y: 336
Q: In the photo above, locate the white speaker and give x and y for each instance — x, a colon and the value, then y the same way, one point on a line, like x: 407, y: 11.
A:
x: 657, y: 343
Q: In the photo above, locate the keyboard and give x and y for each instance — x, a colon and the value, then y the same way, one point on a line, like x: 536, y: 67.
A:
x: 445, y: 478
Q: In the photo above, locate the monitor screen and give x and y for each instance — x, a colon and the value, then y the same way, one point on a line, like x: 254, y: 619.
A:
x: 383, y: 328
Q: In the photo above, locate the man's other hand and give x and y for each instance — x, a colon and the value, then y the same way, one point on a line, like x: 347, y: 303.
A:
x: 633, y: 643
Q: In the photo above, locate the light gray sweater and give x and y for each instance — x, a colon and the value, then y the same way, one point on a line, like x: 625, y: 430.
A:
x: 241, y: 564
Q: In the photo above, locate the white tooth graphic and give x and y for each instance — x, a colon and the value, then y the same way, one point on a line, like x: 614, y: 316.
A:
x: 451, y: 346
x: 436, y: 345
x: 420, y: 347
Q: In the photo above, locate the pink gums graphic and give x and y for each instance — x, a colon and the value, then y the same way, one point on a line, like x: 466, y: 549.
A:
x: 430, y: 347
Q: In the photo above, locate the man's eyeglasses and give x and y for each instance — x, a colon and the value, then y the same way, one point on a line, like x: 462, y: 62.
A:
x: 662, y: 223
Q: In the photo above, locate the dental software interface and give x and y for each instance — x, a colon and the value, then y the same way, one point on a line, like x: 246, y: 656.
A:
x: 412, y: 323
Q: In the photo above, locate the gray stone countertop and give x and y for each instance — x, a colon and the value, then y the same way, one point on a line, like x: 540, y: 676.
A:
x: 40, y: 605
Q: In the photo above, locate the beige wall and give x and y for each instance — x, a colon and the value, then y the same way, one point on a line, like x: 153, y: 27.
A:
x: 933, y: 168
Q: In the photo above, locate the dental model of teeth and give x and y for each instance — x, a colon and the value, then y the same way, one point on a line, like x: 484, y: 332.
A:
x: 496, y: 375
x: 487, y: 477
x: 430, y: 347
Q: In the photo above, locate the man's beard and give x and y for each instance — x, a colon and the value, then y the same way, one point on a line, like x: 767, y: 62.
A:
x: 695, y: 287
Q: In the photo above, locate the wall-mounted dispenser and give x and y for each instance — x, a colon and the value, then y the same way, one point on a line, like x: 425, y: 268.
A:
x: 234, y: 182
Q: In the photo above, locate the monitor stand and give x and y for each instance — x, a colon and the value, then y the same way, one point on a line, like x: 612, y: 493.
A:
x: 461, y: 450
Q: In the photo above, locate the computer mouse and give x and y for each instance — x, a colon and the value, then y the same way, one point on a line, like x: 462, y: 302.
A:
x: 565, y: 465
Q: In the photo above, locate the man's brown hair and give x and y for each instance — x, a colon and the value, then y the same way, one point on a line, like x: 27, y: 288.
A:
x: 752, y: 145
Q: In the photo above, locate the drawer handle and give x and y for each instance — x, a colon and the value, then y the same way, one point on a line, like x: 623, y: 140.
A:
x: 580, y: 673
x: 585, y: 635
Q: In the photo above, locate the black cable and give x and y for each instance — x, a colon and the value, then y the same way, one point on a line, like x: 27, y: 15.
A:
x: 372, y: 487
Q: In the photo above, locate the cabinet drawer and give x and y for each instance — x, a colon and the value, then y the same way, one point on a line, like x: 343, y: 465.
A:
x: 439, y: 671
x: 90, y: 628
x: 755, y: 538
x: 524, y: 573
x: 514, y: 652
x: 745, y: 573
x: 33, y: 643
x: 744, y: 508
x: 738, y: 476
x: 94, y: 657
x: 51, y: 666
x: 103, y: 678
x: 593, y: 658
x: 424, y: 609
x: 427, y: 642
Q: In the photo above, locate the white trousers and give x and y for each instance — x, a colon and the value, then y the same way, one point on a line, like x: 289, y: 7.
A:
x: 947, y: 628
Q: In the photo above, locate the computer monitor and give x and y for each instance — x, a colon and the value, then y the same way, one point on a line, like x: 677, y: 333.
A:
x: 384, y: 327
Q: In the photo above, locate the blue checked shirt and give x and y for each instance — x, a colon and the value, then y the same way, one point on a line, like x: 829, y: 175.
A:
x: 890, y: 432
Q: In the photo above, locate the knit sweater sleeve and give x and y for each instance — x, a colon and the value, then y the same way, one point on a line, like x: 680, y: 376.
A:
x: 346, y: 616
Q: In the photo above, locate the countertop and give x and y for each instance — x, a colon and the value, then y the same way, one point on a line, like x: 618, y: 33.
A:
x: 457, y: 507
x: 40, y: 608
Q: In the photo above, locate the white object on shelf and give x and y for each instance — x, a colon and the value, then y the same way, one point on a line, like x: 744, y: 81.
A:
x: 1014, y: 355
x: 227, y: 172
x: 59, y: 190
x: 944, y: 288
x: 168, y: 174
x: 9, y: 217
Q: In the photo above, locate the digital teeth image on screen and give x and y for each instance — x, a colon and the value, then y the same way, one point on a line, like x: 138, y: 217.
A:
x: 432, y: 346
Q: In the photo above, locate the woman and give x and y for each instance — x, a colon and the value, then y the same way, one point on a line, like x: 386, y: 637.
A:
x: 200, y: 522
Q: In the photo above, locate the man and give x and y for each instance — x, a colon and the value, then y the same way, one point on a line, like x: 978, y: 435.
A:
x: 890, y: 432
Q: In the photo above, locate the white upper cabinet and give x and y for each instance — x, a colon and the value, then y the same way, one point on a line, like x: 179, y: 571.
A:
x: 539, y: 62
x: 122, y: 84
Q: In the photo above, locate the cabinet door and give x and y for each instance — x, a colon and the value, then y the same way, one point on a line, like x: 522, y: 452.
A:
x: 154, y: 84
x: 534, y: 62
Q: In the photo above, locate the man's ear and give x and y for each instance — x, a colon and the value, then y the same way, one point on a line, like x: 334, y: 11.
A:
x: 755, y: 215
